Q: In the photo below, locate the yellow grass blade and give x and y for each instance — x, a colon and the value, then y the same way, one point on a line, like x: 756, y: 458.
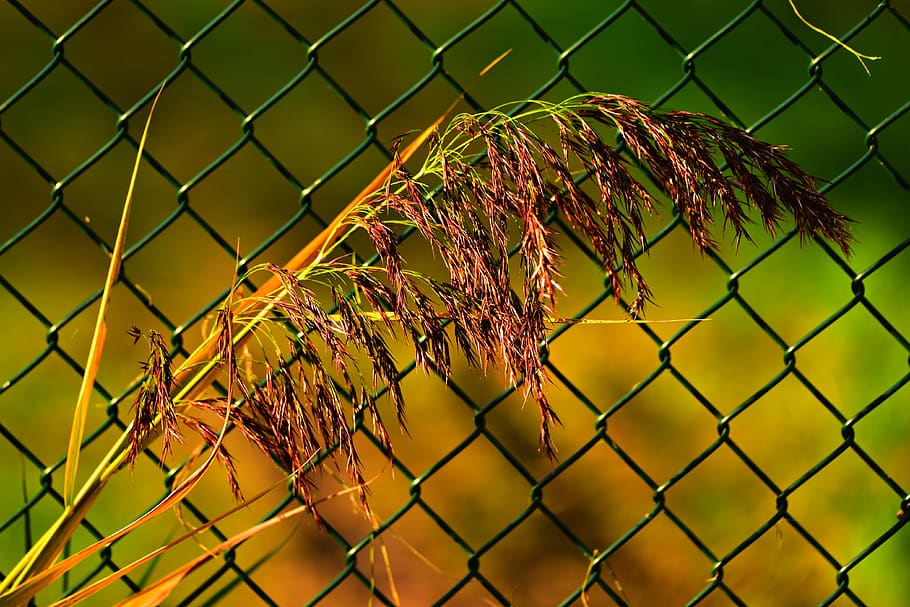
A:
x: 493, y: 63
x: 56, y: 537
x: 153, y: 594
x: 94, y: 355
x: 859, y: 56
x: 127, y: 569
x: 23, y: 593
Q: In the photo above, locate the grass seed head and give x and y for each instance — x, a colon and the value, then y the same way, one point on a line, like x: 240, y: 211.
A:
x: 490, y: 187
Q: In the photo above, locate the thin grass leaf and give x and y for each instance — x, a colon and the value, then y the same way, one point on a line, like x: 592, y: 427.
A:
x: 859, y: 56
x: 26, y: 591
x: 55, y: 538
x: 122, y: 571
x: 154, y: 594
x: 27, y: 515
x: 99, y: 335
x: 386, y: 563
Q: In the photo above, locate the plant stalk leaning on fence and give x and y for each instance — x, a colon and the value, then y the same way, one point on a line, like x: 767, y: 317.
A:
x: 487, y: 189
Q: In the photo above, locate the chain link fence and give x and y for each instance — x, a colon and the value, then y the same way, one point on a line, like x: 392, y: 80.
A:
x: 755, y: 458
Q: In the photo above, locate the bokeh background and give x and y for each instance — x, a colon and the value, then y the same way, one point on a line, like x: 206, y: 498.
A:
x: 759, y: 457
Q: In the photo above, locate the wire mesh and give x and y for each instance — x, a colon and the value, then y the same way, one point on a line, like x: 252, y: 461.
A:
x: 755, y: 458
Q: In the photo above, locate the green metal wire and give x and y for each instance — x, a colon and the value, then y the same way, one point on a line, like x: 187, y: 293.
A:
x: 599, y: 584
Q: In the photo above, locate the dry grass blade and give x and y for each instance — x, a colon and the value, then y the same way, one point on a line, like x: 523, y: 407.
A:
x: 859, y: 56
x: 51, y: 543
x: 100, y: 333
x: 25, y: 592
x: 159, y: 590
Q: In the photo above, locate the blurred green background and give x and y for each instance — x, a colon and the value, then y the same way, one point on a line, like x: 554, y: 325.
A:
x: 755, y: 458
